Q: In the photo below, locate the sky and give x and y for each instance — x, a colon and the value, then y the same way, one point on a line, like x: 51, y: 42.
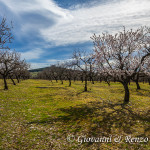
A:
x: 48, y: 31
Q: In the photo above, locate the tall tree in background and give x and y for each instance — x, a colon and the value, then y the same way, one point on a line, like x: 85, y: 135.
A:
x: 83, y: 60
x: 21, y: 71
x: 69, y: 72
x: 123, y: 55
x: 60, y: 69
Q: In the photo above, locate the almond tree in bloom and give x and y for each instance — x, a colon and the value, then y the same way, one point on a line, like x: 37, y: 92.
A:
x: 147, y: 71
x: 9, y: 61
x: 84, y: 62
x: 123, y: 55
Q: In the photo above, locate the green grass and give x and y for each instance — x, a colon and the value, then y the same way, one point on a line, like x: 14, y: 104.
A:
x: 38, y: 114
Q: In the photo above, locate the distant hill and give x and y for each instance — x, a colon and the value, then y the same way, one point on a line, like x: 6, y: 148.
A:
x: 37, y: 70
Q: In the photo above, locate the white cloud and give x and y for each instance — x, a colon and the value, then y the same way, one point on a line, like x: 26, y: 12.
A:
x: 97, y: 19
x: 77, y: 25
x: 53, y: 61
x: 32, y: 54
x: 21, y: 6
x: 18, y: 9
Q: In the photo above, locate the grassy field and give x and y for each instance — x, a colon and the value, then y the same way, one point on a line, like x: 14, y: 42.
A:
x: 40, y: 115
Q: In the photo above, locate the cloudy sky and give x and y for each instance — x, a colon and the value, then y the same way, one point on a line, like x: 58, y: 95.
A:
x: 47, y: 31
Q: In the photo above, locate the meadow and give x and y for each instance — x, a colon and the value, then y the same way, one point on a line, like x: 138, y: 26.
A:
x: 44, y: 115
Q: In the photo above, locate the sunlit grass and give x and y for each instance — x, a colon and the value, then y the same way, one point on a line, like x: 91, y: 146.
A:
x: 38, y: 114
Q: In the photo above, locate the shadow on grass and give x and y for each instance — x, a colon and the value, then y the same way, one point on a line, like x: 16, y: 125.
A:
x: 82, y: 92
x: 51, y: 87
x: 105, y: 116
x: 143, y: 92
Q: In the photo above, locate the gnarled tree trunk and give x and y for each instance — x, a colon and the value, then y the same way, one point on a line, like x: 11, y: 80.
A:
x: 5, y: 83
x: 85, y: 87
x: 127, y: 93
x: 137, y: 85
x: 12, y: 80
x: 17, y: 79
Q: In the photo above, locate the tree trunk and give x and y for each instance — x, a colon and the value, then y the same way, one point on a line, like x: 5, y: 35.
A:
x: 69, y: 82
x: 127, y: 93
x: 56, y: 80
x: 92, y: 81
x: 17, y: 79
x: 5, y: 83
x: 114, y: 79
x: 108, y: 82
x: 12, y: 80
x: 61, y: 81
x: 137, y: 84
x: 100, y: 80
x: 85, y: 88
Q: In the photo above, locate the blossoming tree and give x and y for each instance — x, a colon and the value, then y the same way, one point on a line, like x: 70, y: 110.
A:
x: 123, y: 55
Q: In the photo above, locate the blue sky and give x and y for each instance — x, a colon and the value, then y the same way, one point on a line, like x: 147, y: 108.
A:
x: 47, y: 31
